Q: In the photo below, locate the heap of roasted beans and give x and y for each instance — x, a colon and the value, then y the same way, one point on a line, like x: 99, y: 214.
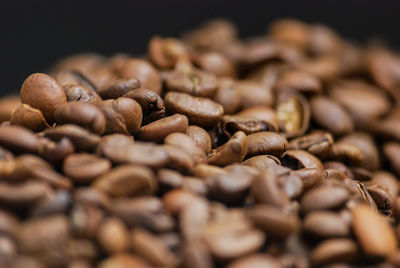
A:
x: 209, y: 151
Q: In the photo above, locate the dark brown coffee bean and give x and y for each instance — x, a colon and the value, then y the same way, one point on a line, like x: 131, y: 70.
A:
x: 273, y: 221
x: 266, y: 190
x: 18, y: 139
x: 318, y: 143
x: 45, y: 239
x: 55, y: 151
x: 54, y: 204
x: 146, y: 212
x: 334, y: 250
x: 152, y: 248
x: 81, y: 93
x: 124, y: 260
x: 152, y: 104
x: 80, y: 137
x: 346, y: 153
x: 227, y: 96
x: 310, y: 177
x: 85, y: 167
x: 143, y: 71
x: 127, y: 181
x: 293, y: 113
x: 42, y: 92
x: 165, y: 52
x: 297, y: 159
x: 124, y: 152
x: 188, y: 145
x: 266, y: 143
x: 118, y: 88
x: 249, y: 125
x: 8, y: 105
x: 386, y: 181
x: 29, y: 117
x: 113, y: 235
x: 232, y: 151
x: 84, y: 114
x: 158, y: 130
x: 373, y: 232
x: 115, y: 122
x: 325, y: 224
x: 191, y: 81
x: 382, y: 198
x: 331, y: 116
x: 200, y: 111
x: 324, y: 197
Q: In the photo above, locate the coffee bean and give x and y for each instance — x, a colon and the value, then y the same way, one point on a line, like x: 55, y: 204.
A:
x: 113, y: 235
x: 42, y: 92
x: 179, y: 159
x: 8, y: 105
x: 85, y: 167
x: 200, y: 111
x: 347, y: 153
x: 376, y: 237
x: 232, y: 151
x: 273, y: 221
x: 227, y: 96
x: 331, y: 116
x: 205, y: 171
x: 194, y: 82
x: 196, y: 255
x: 158, y: 130
x: 325, y: 224
x: 165, y: 52
x: 255, y: 260
x: 261, y: 162
x: 81, y: 93
x: 299, y: 81
x: 84, y: 114
x: 143, y: 71
x: 200, y: 137
x: 334, y: 250
x: 193, y: 219
x: 297, y: 159
x: 253, y: 94
x: 246, y: 123
x: 324, y: 197
x: 168, y: 180
x: 29, y: 118
x: 318, y: 143
x: 18, y: 139
x: 127, y: 181
x: 188, y: 145
x: 266, y: 143
x: 118, y: 88
x: 124, y: 260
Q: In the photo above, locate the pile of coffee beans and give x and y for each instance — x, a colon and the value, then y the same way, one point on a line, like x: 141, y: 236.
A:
x: 209, y: 151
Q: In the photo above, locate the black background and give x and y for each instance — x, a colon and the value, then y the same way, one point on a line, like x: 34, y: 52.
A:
x: 34, y: 34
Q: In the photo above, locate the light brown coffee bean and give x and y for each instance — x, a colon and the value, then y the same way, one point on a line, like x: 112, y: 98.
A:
x: 373, y: 232
x: 158, y: 130
x: 188, y: 145
x: 29, y: 118
x: 326, y: 224
x: 84, y: 114
x: 318, y: 143
x: 124, y: 260
x: 165, y: 52
x: 8, y: 104
x: 178, y: 158
x: 299, y: 81
x: 249, y: 124
x: 18, y: 139
x: 200, y: 137
x: 334, y: 250
x: 227, y: 96
x: 200, y: 111
x: 75, y: 92
x: 261, y: 162
x: 113, y: 235
x: 42, y: 92
x: 127, y: 181
x: 324, y: 197
x: 83, y: 168
x: 254, y: 261
x: 297, y: 159
x: 232, y: 151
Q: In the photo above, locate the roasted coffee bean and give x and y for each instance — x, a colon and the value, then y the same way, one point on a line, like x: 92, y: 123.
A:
x: 54, y: 204
x: 188, y: 145
x: 266, y: 143
x: 195, y: 185
x: 318, y: 143
x: 165, y: 52
x: 273, y: 221
x: 81, y: 93
x: 80, y: 137
x: 118, y: 88
x: 8, y: 105
x: 376, y: 237
x: 192, y: 81
x: 297, y: 159
x: 261, y: 162
x: 232, y: 151
x: 152, y: 104
x: 299, y: 81
x: 84, y: 114
x: 325, y: 224
x: 227, y: 96
x: 200, y: 111
x: 310, y: 177
x: 127, y: 181
x: 143, y: 71
x: 113, y: 235
x: 248, y: 123
x: 346, y: 153
x: 18, y: 139
x: 391, y: 151
x: 196, y: 255
x: 179, y: 159
x: 330, y: 116
x: 42, y: 92
x: 29, y: 117
x: 158, y: 130
x: 253, y: 94
x: 324, y: 197
x: 205, y: 171
x: 169, y: 179
x: 124, y: 260
x: 193, y: 219
x: 334, y: 250
x: 382, y: 198
x: 255, y: 260
x: 83, y: 168
x: 200, y: 137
